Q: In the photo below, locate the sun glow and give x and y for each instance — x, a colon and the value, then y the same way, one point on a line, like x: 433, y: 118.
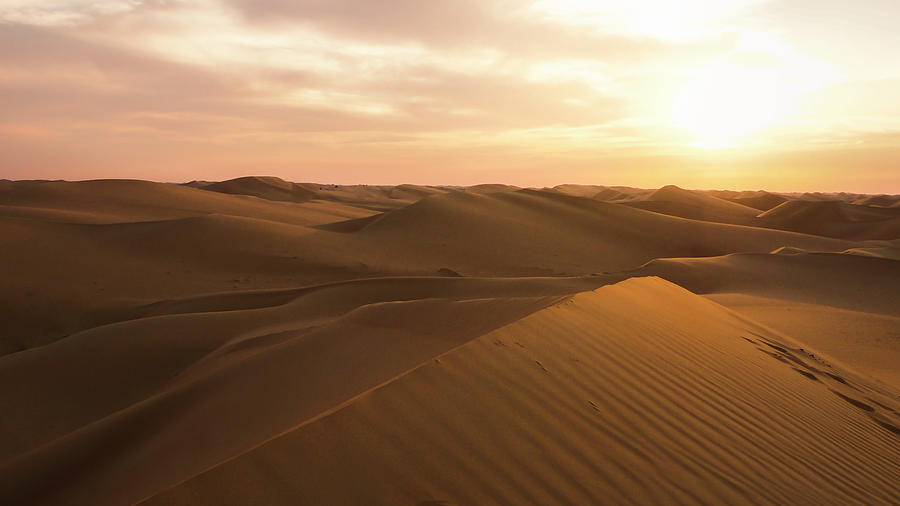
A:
x: 725, y: 104
x: 662, y: 19
x: 762, y: 84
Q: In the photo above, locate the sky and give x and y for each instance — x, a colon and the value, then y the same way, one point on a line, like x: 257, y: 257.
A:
x: 785, y: 95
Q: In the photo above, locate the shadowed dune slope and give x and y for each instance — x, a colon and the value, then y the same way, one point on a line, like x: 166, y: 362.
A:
x: 61, y: 278
x: 151, y: 401
x: 637, y: 393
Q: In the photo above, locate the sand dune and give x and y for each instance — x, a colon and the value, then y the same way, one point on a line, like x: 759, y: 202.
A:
x: 676, y: 201
x: 847, y: 216
x: 252, y: 367
x: 157, y: 339
x: 595, y: 192
x: 486, y: 189
x: 636, y: 393
x: 378, y: 198
x: 864, y: 342
x: 532, y: 232
x: 842, y: 305
x: 890, y: 252
x: 834, y: 219
x: 117, y: 201
x: 412, y: 193
x: 269, y: 188
x: 98, y: 270
x: 879, y: 200
x: 257, y: 341
x: 761, y: 200
x: 220, y: 242
x: 851, y: 282
x: 801, y: 211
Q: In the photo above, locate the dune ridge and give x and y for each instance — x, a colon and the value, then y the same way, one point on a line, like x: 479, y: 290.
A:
x: 583, y: 408
x: 674, y: 201
x: 164, y: 241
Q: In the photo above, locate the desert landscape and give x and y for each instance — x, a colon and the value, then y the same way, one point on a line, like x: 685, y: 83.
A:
x: 449, y: 252
x: 259, y: 341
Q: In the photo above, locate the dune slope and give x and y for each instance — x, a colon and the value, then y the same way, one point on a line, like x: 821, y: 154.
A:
x: 94, y: 272
x: 865, y: 342
x: 532, y: 232
x: 844, y: 306
x: 126, y: 201
x: 834, y: 218
x: 153, y: 400
x: 635, y: 393
x: 853, y: 282
x: 761, y: 200
x: 695, y: 205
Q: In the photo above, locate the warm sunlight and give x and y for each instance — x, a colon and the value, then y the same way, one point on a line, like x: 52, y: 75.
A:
x: 354, y: 91
x: 725, y: 104
x: 664, y: 19
x: 447, y: 252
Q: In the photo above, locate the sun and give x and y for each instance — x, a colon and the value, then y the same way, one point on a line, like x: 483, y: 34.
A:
x: 726, y: 104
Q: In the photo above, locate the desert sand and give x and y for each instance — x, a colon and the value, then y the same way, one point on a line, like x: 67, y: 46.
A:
x: 259, y: 341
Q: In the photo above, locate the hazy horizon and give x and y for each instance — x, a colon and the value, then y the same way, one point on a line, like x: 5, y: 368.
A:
x: 745, y: 94
x: 480, y: 183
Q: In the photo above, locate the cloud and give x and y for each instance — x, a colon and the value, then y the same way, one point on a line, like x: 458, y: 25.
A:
x: 61, y: 12
x: 511, y: 27
x: 434, y: 21
x: 356, y: 83
x: 53, y: 74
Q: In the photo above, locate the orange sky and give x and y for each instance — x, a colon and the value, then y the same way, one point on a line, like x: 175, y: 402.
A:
x: 744, y: 94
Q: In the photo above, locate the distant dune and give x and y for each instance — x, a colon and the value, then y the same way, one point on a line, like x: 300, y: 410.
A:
x: 147, y: 241
x: 675, y: 201
x: 269, y: 188
x: 879, y: 200
x: 260, y: 341
x: 834, y: 219
x: 762, y: 200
